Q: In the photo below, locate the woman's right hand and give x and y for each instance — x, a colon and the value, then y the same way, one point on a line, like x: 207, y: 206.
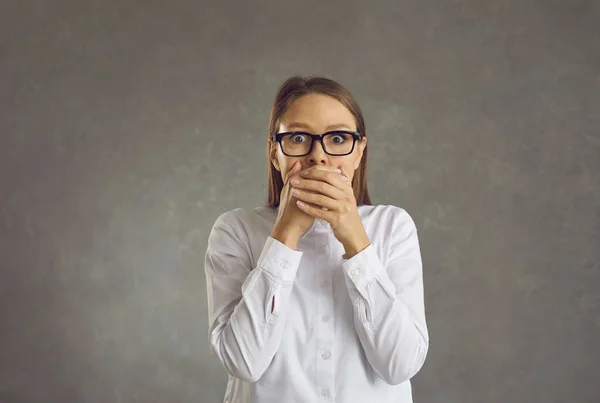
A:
x: 291, y: 221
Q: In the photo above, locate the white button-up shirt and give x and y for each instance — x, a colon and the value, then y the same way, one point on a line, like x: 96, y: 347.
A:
x: 307, y: 325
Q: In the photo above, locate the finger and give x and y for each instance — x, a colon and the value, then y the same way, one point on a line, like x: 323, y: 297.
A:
x: 311, y: 205
x: 295, y: 169
x: 316, y: 199
x: 333, y: 178
x: 345, y: 176
x: 287, y: 175
x: 325, y: 168
x: 314, y: 211
x: 320, y: 187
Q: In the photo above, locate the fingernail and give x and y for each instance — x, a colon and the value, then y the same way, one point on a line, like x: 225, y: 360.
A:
x: 345, y: 178
x: 338, y: 170
x: 295, y: 182
x: 303, y: 173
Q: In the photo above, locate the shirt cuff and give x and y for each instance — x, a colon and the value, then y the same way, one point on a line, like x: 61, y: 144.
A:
x: 279, y: 260
x: 362, y: 268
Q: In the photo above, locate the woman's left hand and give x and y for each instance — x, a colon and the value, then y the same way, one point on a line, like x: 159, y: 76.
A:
x: 334, y: 194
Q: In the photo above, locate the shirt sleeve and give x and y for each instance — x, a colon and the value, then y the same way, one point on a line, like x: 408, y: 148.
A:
x: 246, y: 305
x: 388, y: 302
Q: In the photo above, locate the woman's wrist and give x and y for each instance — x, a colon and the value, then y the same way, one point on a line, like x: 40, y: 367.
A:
x: 286, y: 237
x: 356, y: 246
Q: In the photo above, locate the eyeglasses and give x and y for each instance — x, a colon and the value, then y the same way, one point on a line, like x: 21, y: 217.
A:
x: 299, y: 144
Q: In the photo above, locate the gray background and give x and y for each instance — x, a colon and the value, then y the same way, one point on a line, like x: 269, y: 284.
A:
x: 128, y: 127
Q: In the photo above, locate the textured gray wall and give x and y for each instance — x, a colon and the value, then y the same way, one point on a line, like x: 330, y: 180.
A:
x: 128, y: 127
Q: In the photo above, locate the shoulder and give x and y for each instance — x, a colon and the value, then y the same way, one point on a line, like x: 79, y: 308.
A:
x: 388, y: 212
x: 242, y: 228
x: 244, y: 218
x: 231, y: 217
x: 229, y: 231
x: 390, y: 219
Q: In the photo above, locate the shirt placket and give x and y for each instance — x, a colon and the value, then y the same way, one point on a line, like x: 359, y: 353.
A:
x: 325, y: 323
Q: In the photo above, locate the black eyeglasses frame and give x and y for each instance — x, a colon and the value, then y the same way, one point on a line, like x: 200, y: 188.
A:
x: 355, y: 136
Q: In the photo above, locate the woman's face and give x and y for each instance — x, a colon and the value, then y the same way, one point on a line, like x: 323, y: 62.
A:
x: 317, y: 114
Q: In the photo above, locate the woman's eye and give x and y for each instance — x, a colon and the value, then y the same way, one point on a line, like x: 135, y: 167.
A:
x: 298, y: 139
x: 338, y: 139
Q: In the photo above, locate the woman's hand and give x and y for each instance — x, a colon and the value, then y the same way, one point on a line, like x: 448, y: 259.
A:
x: 289, y: 217
x: 291, y: 221
x: 335, y: 203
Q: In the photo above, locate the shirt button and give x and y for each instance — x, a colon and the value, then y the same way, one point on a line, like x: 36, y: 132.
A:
x: 324, y: 249
x: 284, y: 264
x: 325, y: 318
x: 354, y: 272
x: 325, y: 393
x: 324, y: 283
x: 326, y: 355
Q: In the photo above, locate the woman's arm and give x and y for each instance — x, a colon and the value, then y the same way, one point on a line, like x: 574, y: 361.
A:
x: 246, y: 305
x: 389, y: 311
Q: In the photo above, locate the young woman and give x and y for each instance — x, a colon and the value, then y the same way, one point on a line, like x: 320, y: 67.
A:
x: 319, y: 295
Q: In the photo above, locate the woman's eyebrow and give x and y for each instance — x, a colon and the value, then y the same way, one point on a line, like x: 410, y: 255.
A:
x: 300, y: 125
x: 338, y: 126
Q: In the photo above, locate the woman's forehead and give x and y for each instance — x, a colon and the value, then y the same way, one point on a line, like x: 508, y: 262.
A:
x: 317, y: 112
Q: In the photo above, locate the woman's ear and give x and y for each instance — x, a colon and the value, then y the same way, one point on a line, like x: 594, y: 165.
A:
x: 273, y: 154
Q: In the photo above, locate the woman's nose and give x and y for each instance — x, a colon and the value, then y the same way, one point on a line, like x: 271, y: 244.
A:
x: 318, y: 152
